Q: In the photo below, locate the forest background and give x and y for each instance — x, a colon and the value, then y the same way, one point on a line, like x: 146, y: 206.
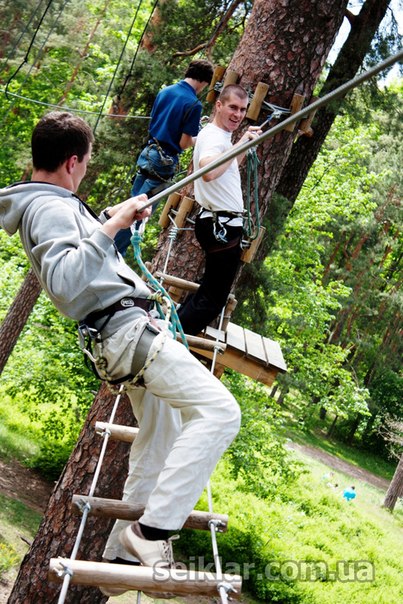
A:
x: 327, y: 290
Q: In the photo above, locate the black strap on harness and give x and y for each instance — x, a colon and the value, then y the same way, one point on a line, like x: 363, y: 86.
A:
x: 89, y: 335
x: 123, y: 304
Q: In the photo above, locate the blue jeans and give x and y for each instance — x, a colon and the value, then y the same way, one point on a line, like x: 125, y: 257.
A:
x: 155, y: 165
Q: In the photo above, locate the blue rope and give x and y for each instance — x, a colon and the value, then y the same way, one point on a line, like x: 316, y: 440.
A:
x: 175, y: 326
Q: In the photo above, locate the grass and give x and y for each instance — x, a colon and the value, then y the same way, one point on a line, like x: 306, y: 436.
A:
x: 18, y: 525
x: 315, y: 436
x: 18, y: 435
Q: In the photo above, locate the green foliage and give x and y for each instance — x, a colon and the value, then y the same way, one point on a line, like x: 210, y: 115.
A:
x: 258, y: 458
x: 303, y: 546
x: 45, y: 378
x: 8, y: 557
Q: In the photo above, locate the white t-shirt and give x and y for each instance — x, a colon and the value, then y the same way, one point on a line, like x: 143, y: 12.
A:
x: 224, y: 193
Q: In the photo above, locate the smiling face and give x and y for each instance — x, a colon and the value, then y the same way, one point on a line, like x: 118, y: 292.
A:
x: 230, y: 113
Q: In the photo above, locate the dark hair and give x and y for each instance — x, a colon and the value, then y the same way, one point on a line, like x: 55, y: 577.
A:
x: 58, y: 136
x: 200, y: 70
x: 236, y: 89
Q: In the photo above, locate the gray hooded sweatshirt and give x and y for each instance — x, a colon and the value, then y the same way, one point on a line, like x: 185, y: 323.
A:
x: 76, y: 263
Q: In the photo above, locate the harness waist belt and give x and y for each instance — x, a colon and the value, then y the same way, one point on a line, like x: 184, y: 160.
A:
x: 123, y: 304
x: 208, y: 214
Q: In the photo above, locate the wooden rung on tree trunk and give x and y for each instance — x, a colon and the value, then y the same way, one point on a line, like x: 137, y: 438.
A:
x: 231, y: 77
x: 296, y: 105
x: 178, y: 581
x: 248, y: 254
x: 184, y: 209
x: 170, y: 204
x: 217, y: 77
x: 188, y: 286
x: 114, y: 508
x: 125, y: 434
x: 305, y: 125
x: 256, y: 103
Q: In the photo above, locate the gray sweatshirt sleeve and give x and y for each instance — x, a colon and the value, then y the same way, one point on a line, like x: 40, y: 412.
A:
x: 69, y: 248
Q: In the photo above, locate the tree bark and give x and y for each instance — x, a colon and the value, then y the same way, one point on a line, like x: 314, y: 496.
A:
x: 57, y: 533
x: 17, y: 316
x: 395, y: 489
x: 346, y: 66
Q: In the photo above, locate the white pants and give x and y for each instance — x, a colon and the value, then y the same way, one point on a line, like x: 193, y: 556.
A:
x: 187, y: 419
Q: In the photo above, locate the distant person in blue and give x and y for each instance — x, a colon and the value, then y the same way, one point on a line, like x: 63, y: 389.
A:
x: 174, y: 125
x: 349, y: 494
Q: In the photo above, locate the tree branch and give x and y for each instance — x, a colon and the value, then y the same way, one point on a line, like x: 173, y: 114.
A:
x: 218, y: 31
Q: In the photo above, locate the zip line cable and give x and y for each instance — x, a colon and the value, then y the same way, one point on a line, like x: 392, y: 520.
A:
x: 74, y: 110
x: 118, y: 64
x: 17, y: 42
x: 25, y: 60
x: 120, y: 92
x: 39, y: 54
x: 234, y: 152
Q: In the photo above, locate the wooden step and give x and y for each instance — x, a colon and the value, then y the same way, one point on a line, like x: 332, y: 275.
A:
x: 204, y: 343
x: 142, y: 578
x: 188, y: 286
x: 114, y: 508
x: 125, y: 434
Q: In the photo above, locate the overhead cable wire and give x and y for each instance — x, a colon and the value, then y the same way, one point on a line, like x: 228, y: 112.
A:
x: 39, y: 54
x: 73, y: 109
x: 25, y: 60
x: 137, y: 49
x: 17, y: 42
x: 118, y: 64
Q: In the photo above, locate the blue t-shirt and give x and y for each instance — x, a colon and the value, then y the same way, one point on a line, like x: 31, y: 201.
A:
x: 176, y: 111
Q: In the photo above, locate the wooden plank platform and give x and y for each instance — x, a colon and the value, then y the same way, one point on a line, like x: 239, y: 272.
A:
x: 114, y: 508
x: 247, y: 352
x: 178, y: 581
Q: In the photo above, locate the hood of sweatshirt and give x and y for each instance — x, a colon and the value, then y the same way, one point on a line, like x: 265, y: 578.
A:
x: 15, y: 199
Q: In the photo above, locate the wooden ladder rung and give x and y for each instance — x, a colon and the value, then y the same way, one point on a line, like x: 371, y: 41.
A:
x: 188, y: 286
x: 195, y: 342
x: 142, y: 578
x: 125, y: 434
x: 114, y: 508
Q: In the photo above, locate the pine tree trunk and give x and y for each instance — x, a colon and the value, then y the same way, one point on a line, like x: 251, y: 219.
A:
x: 18, y: 313
x: 57, y: 533
x: 347, y: 64
x: 395, y: 489
x: 285, y: 45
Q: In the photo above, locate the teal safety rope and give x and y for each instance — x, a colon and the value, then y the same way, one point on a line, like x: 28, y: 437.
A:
x: 176, y: 326
x: 252, y: 164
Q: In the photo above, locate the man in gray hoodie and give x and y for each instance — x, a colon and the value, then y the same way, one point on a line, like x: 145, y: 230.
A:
x: 187, y: 418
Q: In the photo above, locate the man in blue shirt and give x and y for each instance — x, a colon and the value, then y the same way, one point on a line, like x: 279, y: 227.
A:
x: 174, y: 126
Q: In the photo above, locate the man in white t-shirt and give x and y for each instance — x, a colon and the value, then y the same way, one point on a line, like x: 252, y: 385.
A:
x: 218, y: 226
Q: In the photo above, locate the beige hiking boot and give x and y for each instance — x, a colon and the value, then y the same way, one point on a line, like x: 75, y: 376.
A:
x: 150, y: 553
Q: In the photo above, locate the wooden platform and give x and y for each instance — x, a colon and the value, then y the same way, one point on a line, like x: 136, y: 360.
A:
x: 246, y: 352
